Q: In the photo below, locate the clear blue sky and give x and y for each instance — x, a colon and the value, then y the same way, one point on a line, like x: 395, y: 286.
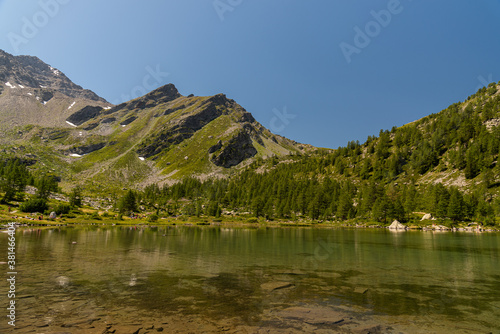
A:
x: 273, y: 54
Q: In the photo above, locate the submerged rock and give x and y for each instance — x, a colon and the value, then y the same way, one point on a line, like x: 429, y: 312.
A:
x: 62, y: 281
x: 272, y: 286
x: 360, y: 290
x: 313, y: 315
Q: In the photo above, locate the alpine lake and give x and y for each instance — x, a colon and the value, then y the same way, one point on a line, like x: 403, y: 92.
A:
x: 214, y: 279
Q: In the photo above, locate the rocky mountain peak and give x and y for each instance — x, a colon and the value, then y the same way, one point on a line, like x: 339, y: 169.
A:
x: 165, y: 93
x: 31, y: 72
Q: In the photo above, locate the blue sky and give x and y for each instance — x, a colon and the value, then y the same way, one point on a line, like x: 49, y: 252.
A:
x: 274, y: 57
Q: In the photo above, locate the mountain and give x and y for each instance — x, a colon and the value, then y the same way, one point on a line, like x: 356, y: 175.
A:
x: 159, y: 137
x: 445, y: 164
x: 33, y: 92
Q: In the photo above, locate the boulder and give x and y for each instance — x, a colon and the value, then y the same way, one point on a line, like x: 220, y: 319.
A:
x: 397, y: 226
x: 427, y: 216
x: 52, y: 215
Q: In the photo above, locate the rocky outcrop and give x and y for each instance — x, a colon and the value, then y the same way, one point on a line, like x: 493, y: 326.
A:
x: 246, y: 118
x: 215, y: 148
x: 46, y: 95
x: 128, y: 120
x: 85, y: 114
x: 91, y: 126
x: 237, y: 149
x: 108, y: 120
x: 81, y: 150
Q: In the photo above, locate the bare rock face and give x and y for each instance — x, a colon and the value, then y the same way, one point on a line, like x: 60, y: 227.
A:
x: 215, y: 148
x: 237, y: 149
x: 84, y: 115
x: 86, y: 149
x: 128, y: 120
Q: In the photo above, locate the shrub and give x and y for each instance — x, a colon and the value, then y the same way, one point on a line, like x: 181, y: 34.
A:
x: 153, y: 218
x: 128, y: 203
x: 62, y: 209
x: 34, y: 205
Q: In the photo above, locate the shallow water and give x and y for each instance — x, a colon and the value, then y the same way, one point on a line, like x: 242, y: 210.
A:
x: 214, y: 279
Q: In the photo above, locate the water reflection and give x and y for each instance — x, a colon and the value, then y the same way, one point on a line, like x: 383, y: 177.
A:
x: 421, y: 279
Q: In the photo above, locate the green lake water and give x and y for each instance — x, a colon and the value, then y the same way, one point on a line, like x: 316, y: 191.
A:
x: 276, y: 279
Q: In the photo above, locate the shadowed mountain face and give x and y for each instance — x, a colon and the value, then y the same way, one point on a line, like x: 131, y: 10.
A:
x: 158, y: 137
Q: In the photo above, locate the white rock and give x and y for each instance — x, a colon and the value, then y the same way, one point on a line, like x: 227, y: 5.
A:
x: 397, y: 226
x: 427, y: 216
x: 62, y: 281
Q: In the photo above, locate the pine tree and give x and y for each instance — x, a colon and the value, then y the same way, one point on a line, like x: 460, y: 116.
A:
x: 456, y: 205
x: 128, y: 203
x: 345, y: 205
x: 75, y: 197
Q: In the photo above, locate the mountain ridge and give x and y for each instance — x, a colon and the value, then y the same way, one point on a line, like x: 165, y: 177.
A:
x: 159, y: 137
